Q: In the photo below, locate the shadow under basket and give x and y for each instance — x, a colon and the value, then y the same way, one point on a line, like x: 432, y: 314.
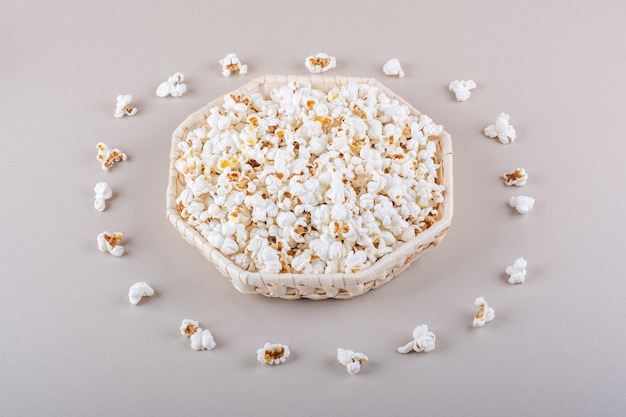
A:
x: 311, y: 286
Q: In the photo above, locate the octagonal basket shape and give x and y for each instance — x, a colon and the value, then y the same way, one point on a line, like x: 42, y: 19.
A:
x: 311, y: 286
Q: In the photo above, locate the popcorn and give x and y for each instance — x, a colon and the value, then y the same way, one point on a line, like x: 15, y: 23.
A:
x: 273, y: 354
x: 484, y: 315
x: 231, y: 64
x: 320, y: 62
x: 188, y: 327
x: 139, y: 290
x: 423, y: 341
x: 110, y: 242
x: 519, y: 177
x: 522, y: 203
x: 393, y: 68
x: 461, y: 89
x: 502, y: 130
x: 122, y: 107
x: 103, y: 193
x: 306, y: 181
x: 201, y: 339
x: 173, y: 86
x: 108, y: 157
x: 351, y: 360
x: 517, y: 271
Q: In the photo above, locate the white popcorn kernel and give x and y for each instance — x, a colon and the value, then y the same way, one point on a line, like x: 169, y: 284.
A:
x: 110, y: 242
x: 139, y: 290
x: 393, y: 68
x: 423, y: 341
x: 108, y: 157
x: 522, y: 203
x: 517, y: 271
x: 461, y: 88
x: 202, y: 339
x: 501, y: 130
x: 232, y: 65
x: 122, y: 107
x: 188, y: 327
x: 320, y: 62
x: 484, y: 315
x: 351, y: 360
x: 519, y: 177
x: 273, y: 354
x: 173, y: 86
x: 103, y: 193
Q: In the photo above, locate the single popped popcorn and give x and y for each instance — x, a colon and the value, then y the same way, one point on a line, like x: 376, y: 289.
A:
x: 320, y: 62
x: 188, y: 327
x: 273, y: 354
x: 393, y: 68
x: 108, y: 157
x: 202, y: 339
x: 139, y: 290
x: 122, y: 107
x: 484, y: 315
x: 110, y: 242
x: 351, y: 360
x: 461, y: 88
x: 517, y: 271
x: 103, y: 193
x: 519, y: 177
x: 231, y: 64
x: 501, y: 130
x: 423, y: 341
x: 173, y: 86
x: 522, y: 203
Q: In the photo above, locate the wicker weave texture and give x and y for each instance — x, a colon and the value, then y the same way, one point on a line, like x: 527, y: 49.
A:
x: 312, y: 286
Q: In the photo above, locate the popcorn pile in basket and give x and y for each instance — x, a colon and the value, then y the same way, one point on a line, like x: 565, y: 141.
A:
x: 310, y: 182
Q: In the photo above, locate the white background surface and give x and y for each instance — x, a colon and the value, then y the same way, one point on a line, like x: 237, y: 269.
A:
x: 72, y: 345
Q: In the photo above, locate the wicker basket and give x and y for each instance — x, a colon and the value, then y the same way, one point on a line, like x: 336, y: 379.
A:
x: 311, y: 286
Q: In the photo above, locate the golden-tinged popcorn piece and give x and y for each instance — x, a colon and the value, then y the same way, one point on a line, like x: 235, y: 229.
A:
x: 122, y: 107
x: 111, y: 242
x: 519, y: 177
x: 108, y: 157
x: 351, y: 360
x: 188, y: 327
x: 232, y: 65
x: 273, y: 354
x: 423, y: 341
x: 139, y: 290
x: 320, y: 62
x: 484, y: 315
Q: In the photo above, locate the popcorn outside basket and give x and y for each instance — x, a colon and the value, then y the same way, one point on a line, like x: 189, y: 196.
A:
x: 312, y: 286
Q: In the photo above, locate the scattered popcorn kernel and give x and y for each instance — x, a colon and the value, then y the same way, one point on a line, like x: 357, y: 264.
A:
x: 501, y: 130
x: 351, y: 360
x: 232, y: 65
x: 188, y: 327
x: 202, y: 339
x: 122, y: 107
x: 103, y: 193
x: 173, y: 86
x: 393, y: 68
x: 484, y: 315
x: 461, y: 88
x: 517, y: 271
x: 110, y: 242
x: 320, y: 62
x: 522, y: 203
x: 273, y: 354
x: 139, y: 290
x: 519, y: 177
x: 423, y: 341
x: 108, y: 157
